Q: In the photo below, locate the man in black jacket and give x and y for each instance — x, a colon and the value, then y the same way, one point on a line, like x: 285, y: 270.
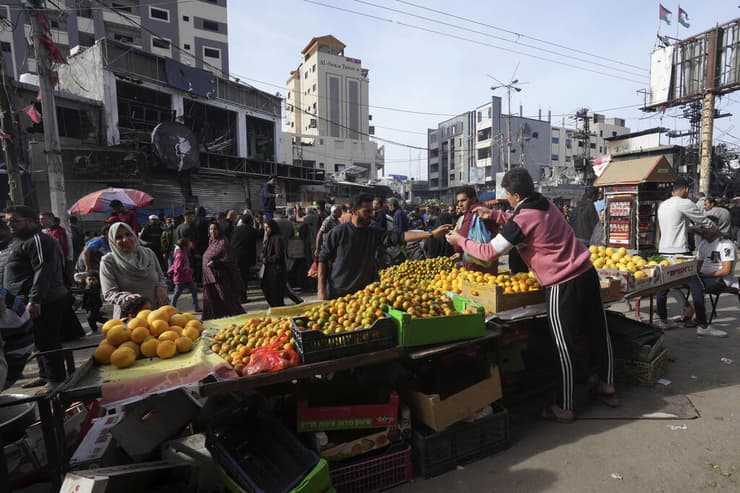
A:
x: 586, y: 215
x: 34, y: 272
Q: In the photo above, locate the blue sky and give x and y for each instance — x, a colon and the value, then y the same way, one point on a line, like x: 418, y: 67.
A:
x: 418, y: 70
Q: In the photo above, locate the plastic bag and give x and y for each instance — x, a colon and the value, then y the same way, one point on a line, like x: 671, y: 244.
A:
x: 271, y: 358
x: 479, y: 234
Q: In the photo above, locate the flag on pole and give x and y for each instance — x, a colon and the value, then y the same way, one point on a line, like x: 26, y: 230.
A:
x: 664, y: 14
x: 683, y: 17
x: 32, y: 113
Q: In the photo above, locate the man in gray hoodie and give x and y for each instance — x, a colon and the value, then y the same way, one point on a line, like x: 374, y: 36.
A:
x: 674, y: 216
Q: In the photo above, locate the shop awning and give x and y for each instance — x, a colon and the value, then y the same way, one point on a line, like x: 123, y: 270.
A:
x: 654, y: 169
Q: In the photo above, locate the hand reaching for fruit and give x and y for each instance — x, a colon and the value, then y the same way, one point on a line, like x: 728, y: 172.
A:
x: 453, y: 238
x: 442, y: 230
x: 483, y: 212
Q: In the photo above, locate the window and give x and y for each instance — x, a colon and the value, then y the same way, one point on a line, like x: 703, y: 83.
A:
x: 567, y: 143
x: 601, y: 133
x: 480, y: 116
x: 593, y: 146
x: 555, y: 140
x: 321, y: 165
x: 305, y: 75
x: 159, y: 14
x: 614, y: 134
x: 186, y: 46
x: 163, y: 44
x: 313, y: 68
x: 339, y: 167
x: 122, y: 38
x: 580, y: 143
x: 554, y: 157
x: 452, y: 176
x: 121, y: 7
x: 314, y: 88
x: 210, y: 25
x: 321, y: 142
x: 6, y: 47
x: 186, y: 18
x: 211, y: 52
x: 567, y: 159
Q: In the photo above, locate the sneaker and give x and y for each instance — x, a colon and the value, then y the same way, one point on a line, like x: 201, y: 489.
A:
x: 710, y: 332
x: 664, y: 324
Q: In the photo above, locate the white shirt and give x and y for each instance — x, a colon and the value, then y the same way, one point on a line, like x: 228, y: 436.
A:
x: 674, y: 215
x: 713, y: 253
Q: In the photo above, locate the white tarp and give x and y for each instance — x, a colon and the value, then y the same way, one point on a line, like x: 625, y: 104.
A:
x: 661, y: 69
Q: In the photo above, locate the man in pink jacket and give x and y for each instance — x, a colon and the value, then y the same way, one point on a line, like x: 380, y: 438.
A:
x: 561, y: 263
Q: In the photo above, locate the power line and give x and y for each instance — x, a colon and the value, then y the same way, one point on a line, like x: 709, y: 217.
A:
x: 520, y: 35
x: 462, y: 28
x: 462, y: 38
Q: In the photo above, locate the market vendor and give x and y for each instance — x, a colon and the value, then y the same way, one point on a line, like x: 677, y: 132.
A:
x: 548, y: 245
x: 347, y: 261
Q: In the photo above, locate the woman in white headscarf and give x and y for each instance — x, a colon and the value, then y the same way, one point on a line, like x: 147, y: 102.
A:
x: 130, y: 270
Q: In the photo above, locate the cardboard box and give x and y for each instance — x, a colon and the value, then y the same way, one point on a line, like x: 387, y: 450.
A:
x: 438, y: 414
x: 74, y: 419
x: 148, y: 423
x: 493, y: 299
x: 20, y: 461
x: 97, y: 447
x: 147, y: 476
x: 628, y: 281
x: 682, y: 267
x: 610, y: 290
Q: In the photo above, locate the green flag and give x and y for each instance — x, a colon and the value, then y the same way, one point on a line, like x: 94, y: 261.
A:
x: 664, y: 14
x: 683, y: 17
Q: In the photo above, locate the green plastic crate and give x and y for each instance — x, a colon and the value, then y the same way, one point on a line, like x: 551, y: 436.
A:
x: 317, y: 481
x: 435, y: 330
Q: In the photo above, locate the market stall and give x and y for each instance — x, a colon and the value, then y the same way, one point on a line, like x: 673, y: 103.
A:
x: 633, y: 190
x: 406, y: 377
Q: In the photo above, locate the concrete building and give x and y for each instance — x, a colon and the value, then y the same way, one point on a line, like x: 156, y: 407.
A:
x: 193, y: 32
x: 568, y: 147
x: 327, y: 119
x: 471, y: 148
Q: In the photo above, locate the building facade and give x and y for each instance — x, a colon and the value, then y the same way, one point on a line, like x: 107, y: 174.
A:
x: 193, y: 32
x: 471, y: 148
x: 326, y: 114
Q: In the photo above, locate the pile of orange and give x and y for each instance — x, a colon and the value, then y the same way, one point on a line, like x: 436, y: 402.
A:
x: 162, y: 333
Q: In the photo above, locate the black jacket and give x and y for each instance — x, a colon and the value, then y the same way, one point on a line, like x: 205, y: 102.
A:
x: 244, y: 243
x: 34, y: 269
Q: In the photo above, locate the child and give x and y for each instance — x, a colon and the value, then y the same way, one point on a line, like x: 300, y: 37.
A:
x: 134, y: 304
x: 182, y: 274
x: 92, y: 301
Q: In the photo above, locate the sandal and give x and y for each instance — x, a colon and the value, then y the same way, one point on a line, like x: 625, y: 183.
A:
x: 549, y: 415
x: 38, y: 382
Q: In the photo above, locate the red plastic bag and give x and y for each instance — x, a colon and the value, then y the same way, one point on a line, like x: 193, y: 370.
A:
x: 313, y: 271
x: 271, y: 358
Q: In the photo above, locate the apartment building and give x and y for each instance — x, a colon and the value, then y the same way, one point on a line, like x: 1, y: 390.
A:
x: 193, y: 32
x: 327, y: 120
x: 471, y: 148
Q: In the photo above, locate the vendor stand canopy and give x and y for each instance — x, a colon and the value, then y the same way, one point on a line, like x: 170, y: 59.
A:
x: 651, y: 169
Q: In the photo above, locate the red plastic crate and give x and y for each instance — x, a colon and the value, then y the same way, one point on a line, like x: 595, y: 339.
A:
x: 348, y: 417
x: 375, y: 474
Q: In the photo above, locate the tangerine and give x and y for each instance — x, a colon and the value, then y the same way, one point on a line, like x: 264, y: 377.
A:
x: 132, y: 345
x: 191, y: 332
x: 158, y: 314
x: 135, y: 323
x: 176, y: 328
x: 169, y: 335
x: 103, y: 352
x: 166, y: 349
x: 169, y: 310
x: 196, y: 324
x: 111, y: 323
x: 123, y: 357
x: 139, y: 334
x: 184, y: 344
x: 189, y: 316
x: 143, y: 314
x: 149, y: 347
x: 118, y: 335
x: 179, y: 319
x: 159, y: 326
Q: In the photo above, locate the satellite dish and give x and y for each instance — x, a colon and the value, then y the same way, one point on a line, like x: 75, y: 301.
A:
x: 176, y: 146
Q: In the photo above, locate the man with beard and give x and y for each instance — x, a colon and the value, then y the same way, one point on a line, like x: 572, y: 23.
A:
x: 34, y: 272
x: 347, y: 259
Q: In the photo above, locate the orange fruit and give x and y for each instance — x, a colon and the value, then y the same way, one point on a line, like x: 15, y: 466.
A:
x: 103, y: 352
x: 118, y: 335
x: 176, y: 328
x: 111, y: 323
x: 169, y: 335
x: 166, y: 349
x: 178, y: 319
x: 135, y: 323
x: 149, y: 347
x: 196, y: 324
x: 189, y: 316
x: 169, y: 310
x: 133, y: 346
x: 158, y: 327
x: 123, y: 357
x: 184, y: 344
x: 143, y: 314
x: 191, y: 332
x: 139, y: 334
x: 158, y: 314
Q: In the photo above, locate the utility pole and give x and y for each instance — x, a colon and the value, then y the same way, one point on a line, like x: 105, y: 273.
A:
x: 52, y: 147
x: 511, y: 85
x: 15, y: 187
x: 707, y: 116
